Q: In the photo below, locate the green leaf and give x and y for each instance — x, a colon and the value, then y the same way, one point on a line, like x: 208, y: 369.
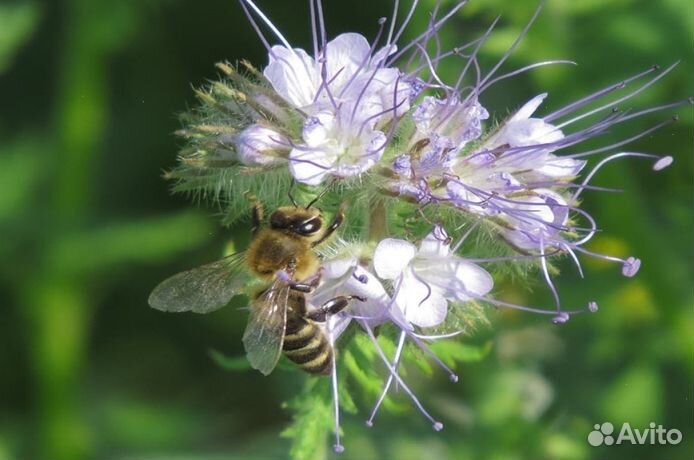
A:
x: 229, y: 363
x: 452, y: 351
x: 635, y: 397
x: 21, y: 171
x: 311, y: 422
x: 142, y: 241
x: 18, y: 22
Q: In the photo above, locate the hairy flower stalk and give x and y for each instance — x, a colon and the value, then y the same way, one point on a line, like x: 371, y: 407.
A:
x: 371, y: 123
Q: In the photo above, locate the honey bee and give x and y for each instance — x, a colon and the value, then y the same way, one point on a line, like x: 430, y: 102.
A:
x: 279, y: 321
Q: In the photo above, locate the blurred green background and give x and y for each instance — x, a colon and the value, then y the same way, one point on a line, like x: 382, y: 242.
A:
x: 89, y: 94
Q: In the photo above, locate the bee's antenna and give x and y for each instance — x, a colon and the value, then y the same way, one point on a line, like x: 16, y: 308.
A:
x: 321, y: 194
x: 289, y: 193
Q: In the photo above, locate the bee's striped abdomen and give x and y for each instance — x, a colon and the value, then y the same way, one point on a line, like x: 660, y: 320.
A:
x: 307, y: 346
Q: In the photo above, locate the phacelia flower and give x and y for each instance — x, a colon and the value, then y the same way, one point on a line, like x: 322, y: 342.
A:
x: 427, y: 278
x: 347, y: 93
x: 371, y: 123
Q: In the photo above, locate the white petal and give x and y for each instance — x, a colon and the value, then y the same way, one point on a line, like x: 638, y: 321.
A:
x: 355, y: 280
x: 332, y: 269
x: 421, y: 304
x: 363, y: 283
x: 454, y: 277
x: 529, y: 108
x: 293, y: 74
x: 344, y: 54
x: 528, y: 132
x: 561, y: 167
x: 476, y: 280
x: 384, y: 53
x: 392, y: 256
x: 309, y: 166
x: 360, y: 156
x: 540, y: 220
x: 318, y: 129
x: 337, y: 324
x: 435, y: 244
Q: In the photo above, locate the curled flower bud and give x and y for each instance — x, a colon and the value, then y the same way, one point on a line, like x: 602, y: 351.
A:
x: 457, y: 121
x: 258, y: 145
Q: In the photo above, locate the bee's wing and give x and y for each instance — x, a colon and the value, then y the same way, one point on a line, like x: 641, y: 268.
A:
x: 202, y: 289
x: 264, y: 333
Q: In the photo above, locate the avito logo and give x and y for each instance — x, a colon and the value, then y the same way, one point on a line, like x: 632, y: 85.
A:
x: 655, y: 434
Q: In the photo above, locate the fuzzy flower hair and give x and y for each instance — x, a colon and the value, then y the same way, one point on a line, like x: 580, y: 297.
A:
x: 424, y: 169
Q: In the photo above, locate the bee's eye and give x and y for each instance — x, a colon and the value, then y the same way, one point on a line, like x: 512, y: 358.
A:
x: 311, y: 226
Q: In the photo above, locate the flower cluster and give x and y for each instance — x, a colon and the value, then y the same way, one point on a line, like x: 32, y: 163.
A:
x: 373, y: 123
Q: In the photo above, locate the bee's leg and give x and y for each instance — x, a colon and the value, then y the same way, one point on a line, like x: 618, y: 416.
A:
x: 332, y: 307
x: 337, y: 221
x: 256, y: 213
x: 307, y: 286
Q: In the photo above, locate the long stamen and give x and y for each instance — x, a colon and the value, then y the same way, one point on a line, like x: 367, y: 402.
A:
x: 622, y: 142
x: 367, y: 57
x: 432, y: 30
x: 575, y: 259
x: 513, y: 45
x: 660, y: 108
x: 321, y: 25
x: 406, y: 22
x: 548, y: 279
x: 524, y: 69
x: 597, y: 95
x: 451, y: 375
x: 473, y: 57
x: 457, y: 51
x: 560, y: 318
x: 474, y: 225
x: 621, y: 99
x: 268, y: 23
x: 657, y: 166
x: 432, y: 68
x: 389, y: 381
x: 438, y: 426
x: 314, y: 29
x: 630, y: 265
x: 393, y: 19
x: 255, y: 27
x: 338, y: 447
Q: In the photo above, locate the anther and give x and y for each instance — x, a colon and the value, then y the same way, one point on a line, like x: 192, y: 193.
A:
x: 438, y: 426
x: 592, y: 306
x: 662, y: 163
x: 631, y: 267
x: 561, y: 318
x: 363, y: 279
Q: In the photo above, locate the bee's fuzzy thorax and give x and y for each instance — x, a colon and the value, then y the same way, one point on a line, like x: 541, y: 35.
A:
x: 271, y: 251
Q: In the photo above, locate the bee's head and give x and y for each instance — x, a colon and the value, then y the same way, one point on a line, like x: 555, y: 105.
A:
x: 307, y: 223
